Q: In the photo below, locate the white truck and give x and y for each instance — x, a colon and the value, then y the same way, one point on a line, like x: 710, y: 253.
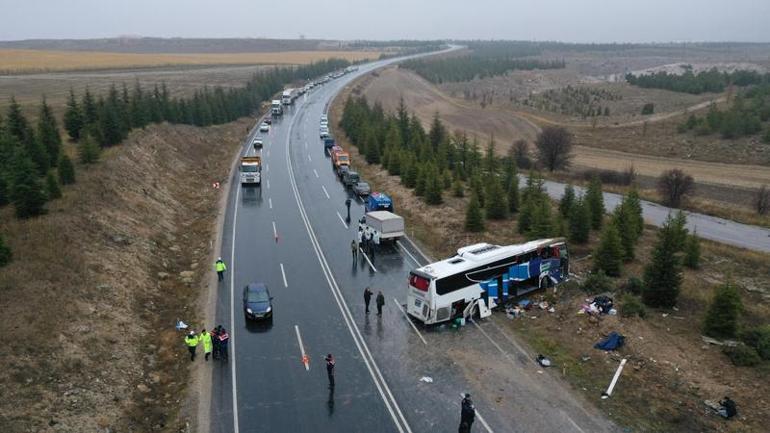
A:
x: 288, y: 96
x: 276, y: 109
x: 251, y: 170
x: 385, y: 226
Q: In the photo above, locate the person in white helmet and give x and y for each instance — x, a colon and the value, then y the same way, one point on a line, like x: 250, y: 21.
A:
x: 221, y: 268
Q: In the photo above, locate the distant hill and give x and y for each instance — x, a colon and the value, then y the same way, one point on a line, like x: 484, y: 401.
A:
x: 174, y: 45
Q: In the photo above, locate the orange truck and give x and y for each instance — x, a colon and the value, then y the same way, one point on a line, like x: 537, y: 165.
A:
x: 340, y: 158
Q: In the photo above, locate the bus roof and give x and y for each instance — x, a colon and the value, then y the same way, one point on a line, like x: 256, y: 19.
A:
x: 472, y: 256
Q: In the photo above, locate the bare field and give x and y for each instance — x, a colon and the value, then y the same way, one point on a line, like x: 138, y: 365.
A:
x: 596, y: 148
x: 26, y: 61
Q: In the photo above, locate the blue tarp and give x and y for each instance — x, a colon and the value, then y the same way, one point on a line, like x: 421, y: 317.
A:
x: 612, y: 342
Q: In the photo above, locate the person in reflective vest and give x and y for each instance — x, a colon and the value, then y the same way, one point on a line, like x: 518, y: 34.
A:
x: 221, y: 268
x: 192, y: 342
x: 205, y: 337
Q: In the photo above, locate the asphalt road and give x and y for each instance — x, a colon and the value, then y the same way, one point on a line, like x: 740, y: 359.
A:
x: 292, y: 235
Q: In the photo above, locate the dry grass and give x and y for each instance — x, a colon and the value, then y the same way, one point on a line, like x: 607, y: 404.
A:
x: 28, y: 61
x: 671, y: 371
x: 92, y: 322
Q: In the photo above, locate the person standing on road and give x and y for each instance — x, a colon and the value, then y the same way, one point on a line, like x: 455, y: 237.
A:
x: 221, y: 268
x: 330, y: 369
x: 367, y: 298
x: 347, y: 204
x: 380, y: 302
x: 467, y: 412
x: 224, y: 338
x: 205, y: 337
x: 215, y: 343
x: 354, y: 249
x: 192, y: 342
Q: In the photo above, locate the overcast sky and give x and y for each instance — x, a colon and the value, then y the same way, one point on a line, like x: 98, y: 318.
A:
x: 563, y: 20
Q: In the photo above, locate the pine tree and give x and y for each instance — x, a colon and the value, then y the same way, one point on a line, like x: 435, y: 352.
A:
x: 679, y: 230
x: 474, y: 219
x: 496, y: 201
x: 634, y: 207
x: 526, y: 215
x: 412, y: 170
x: 626, y: 224
x: 89, y: 109
x: 18, y: 127
x: 692, y: 251
x: 434, y: 187
x: 372, y: 147
x: 567, y: 200
x: 422, y: 181
x: 5, y: 253
x: 4, y: 191
x: 608, y: 256
x: 88, y: 150
x: 663, y: 276
x: 66, y: 170
x: 110, y: 126
x: 595, y: 201
x: 722, y: 316
x: 542, y: 223
x: 458, y: 190
x: 477, y: 185
x: 579, y: 222
x: 27, y: 194
x: 513, y: 195
x: 48, y: 133
x: 52, y: 187
x: 490, y: 159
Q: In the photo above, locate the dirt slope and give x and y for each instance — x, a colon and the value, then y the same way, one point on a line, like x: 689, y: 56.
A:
x: 507, y: 125
x: 89, y: 304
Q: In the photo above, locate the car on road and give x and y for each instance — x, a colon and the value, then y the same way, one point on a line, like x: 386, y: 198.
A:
x: 257, y: 302
x: 324, y: 133
x: 362, y: 189
x: 324, y: 117
x: 258, y: 142
x: 350, y: 178
x: 268, y: 119
x: 264, y: 127
x: 329, y: 142
x: 341, y: 170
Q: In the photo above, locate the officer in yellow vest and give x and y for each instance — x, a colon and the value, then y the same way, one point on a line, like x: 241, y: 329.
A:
x: 221, y: 268
x: 192, y: 342
x: 205, y: 337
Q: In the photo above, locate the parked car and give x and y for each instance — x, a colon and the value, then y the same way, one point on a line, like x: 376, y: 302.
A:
x: 362, y: 189
x: 329, y: 142
x: 324, y: 133
x: 268, y: 119
x: 341, y: 170
x: 264, y: 127
x: 258, y: 143
x: 257, y: 302
x: 351, y: 178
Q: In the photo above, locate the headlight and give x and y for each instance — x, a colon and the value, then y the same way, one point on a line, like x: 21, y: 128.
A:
x: 269, y: 309
x: 248, y: 310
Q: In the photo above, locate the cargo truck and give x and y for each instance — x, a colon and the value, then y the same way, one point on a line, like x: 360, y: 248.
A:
x: 251, y: 170
x: 276, y: 108
x: 385, y: 226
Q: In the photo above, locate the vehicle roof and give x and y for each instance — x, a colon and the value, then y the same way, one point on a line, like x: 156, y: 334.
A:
x: 255, y: 287
x: 382, y: 215
x: 380, y: 197
x: 472, y: 256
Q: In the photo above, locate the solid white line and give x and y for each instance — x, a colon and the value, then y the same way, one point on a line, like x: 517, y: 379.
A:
x: 506, y: 354
x: 301, y: 347
x: 481, y: 418
x: 316, y: 173
x: 325, y: 191
x: 267, y: 167
x: 270, y: 202
x: 343, y: 220
x: 232, y: 314
x: 407, y: 252
x: 275, y: 232
x: 379, y: 381
x: 283, y: 273
x: 367, y: 260
x: 309, y: 158
x: 419, y: 251
x: 406, y: 316
x: 268, y: 184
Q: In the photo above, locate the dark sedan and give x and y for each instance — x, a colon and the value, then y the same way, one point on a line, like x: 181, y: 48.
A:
x: 257, y: 302
x: 362, y: 189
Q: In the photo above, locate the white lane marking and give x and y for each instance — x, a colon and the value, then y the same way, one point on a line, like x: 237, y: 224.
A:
x: 419, y: 251
x: 283, y: 274
x: 481, y: 418
x: 270, y: 202
x: 494, y: 343
x: 325, y: 191
x: 302, y: 348
x: 407, y: 252
x: 267, y: 167
x: 268, y: 184
x: 309, y: 158
x: 316, y: 173
x: 406, y: 316
x: 367, y: 260
x: 275, y: 232
x: 343, y: 220
x: 374, y: 371
x: 232, y: 313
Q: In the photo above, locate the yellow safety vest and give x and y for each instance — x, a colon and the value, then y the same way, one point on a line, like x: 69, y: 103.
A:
x: 191, y: 340
x: 221, y: 266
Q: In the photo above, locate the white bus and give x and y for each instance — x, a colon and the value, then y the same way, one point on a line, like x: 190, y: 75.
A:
x: 450, y: 288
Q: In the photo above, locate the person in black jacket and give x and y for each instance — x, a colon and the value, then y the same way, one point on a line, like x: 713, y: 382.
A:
x: 367, y: 298
x: 380, y: 302
x: 467, y: 413
x: 727, y: 408
x: 330, y: 369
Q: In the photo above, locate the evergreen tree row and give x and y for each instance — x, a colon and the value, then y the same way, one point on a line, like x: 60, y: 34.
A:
x: 702, y: 82
x: 470, y: 67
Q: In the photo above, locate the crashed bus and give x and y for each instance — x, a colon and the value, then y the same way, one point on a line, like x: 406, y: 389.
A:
x: 483, y: 276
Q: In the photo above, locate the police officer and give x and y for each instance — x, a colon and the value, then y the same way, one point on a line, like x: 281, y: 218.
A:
x: 192, y: 342
x: 330, y: 369
x: 347, y: 204
x: 467, y: 412
x: 367, y: 298
x: 221, y: 268
x: 354, y: 249
x: 205, y: 337
x: 224, y: 338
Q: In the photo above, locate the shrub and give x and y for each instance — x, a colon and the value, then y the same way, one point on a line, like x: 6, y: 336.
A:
x: 674, y: 186
x: 722, y: 316
x: 648, y: 108
x: 631, y: 306
x: 759, y: 339
x: 663, y: 275
x: 596, y: 282
x: 634, y: 286
x: 742, y: 355
x: 623, y: 178
x: 554, y: 147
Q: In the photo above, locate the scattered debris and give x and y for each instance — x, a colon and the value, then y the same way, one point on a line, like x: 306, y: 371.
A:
x: 606, y: 394
x: 426, y: 379
x: 543, y: 361
x: 612, y: 342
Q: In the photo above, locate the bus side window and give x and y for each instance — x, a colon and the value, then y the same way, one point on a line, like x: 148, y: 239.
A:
x: 555, y: 252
